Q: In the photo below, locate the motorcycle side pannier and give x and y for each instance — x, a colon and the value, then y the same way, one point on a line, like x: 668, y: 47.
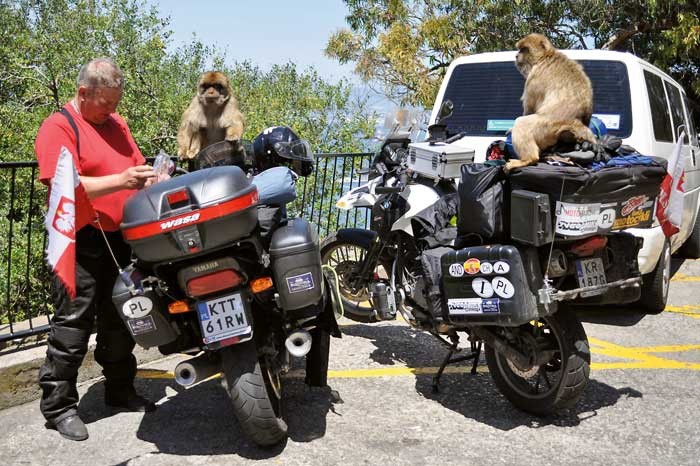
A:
x: 190, y: 214
x: 487, y: 285
x: 296, y: 264
x: 143, y: 313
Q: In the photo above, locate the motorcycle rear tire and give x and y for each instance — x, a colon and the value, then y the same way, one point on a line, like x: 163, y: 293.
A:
x: 572, y: 363
x: 257, y: 408
x: 352, y: 310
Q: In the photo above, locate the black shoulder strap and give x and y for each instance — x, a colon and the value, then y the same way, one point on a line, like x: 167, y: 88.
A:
x: 71, y: 121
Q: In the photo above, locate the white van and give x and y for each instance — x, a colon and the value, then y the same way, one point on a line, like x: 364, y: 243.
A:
x: 638, y: 103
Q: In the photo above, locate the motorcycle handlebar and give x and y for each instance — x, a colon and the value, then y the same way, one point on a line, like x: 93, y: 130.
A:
x: 456, y: 137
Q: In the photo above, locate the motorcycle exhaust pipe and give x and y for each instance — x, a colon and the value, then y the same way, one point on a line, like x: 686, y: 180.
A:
x: 194, y: 370
x: 298, y: 343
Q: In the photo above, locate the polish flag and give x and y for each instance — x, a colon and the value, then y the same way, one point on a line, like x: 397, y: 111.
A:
x: 669, y: 207
x: 69, y: 211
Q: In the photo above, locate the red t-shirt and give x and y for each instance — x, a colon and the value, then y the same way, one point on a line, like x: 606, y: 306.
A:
x: 104, y: 150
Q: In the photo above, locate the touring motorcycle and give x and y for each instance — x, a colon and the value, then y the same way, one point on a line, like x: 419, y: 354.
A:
x: 220, y: 274
x: 500, y: 259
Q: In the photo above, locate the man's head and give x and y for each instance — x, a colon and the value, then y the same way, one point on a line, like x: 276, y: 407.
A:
x: 100, y: 84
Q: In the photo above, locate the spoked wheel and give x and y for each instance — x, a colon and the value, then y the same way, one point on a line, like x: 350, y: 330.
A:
x: 346, y: 258
x: 557, y: 379
x: 256, y: 393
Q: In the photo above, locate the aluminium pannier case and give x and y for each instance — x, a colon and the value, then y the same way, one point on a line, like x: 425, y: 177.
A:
x: 438, y: 160
x: 487, y: 285
x: 190, y: 214
x: 585, y: 202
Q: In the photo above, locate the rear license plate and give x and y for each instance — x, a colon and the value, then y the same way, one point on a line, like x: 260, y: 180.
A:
x: 222, y: 318
x: 590, y: 272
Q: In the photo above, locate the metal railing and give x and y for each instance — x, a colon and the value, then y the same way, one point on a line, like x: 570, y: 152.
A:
x: 25, y: 299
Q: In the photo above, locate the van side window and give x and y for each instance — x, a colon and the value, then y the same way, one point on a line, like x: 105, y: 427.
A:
x: 674, y: 96
x: 659, y: 110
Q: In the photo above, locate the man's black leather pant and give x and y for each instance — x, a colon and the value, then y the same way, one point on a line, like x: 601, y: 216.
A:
x: 73, y: 323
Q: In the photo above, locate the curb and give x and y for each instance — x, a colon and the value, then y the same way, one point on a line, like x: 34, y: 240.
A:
x: 20, y: 363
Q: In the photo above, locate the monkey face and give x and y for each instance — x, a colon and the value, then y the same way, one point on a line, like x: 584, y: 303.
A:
x: 213, y: 89
x: 531, y: 49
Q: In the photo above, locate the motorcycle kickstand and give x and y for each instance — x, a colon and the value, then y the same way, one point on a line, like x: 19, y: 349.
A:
x: 474, y: 355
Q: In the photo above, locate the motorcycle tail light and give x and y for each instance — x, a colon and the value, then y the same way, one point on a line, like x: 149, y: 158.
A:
x: 213, y: 282
x: 260, y: 284
x: 178, y: 197
x: 178, y: 307
x: 588, y: 246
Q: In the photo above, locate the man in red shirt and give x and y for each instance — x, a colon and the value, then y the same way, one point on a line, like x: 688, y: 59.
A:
x: 111, y: 168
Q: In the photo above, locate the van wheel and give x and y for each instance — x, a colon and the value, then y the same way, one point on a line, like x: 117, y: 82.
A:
x: 691, y: 247
x: 655, y: 284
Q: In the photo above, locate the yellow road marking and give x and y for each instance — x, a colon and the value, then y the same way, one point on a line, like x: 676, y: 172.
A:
x: 664, y: 349
x: 639, y: 359
x: 635, y: 358
x: 687, y: 310
x: 679, y: 277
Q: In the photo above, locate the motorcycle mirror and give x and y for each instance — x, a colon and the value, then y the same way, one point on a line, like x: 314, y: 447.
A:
x: 446, y: 110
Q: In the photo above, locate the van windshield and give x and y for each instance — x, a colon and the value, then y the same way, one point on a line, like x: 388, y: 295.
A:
x: 486, y: 97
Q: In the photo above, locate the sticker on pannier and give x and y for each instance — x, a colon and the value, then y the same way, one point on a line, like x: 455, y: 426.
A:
x: 576, y: 219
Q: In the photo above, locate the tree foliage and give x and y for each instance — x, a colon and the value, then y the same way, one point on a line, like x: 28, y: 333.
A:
x: 405, y: 46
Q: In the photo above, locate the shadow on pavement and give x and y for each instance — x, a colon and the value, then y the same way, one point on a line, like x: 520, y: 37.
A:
x: 474, y: 396
x: 618, y: 316
x: 200, y: 420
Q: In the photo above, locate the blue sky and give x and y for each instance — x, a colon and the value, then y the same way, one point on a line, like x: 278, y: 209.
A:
x: 264, y: 32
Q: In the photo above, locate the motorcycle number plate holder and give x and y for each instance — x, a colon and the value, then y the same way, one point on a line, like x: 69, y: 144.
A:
x: 223, y: 318
x: 590, y: 272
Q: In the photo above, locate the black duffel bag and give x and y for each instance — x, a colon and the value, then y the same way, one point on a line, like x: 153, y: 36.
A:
x: 626, y: 193
x: 580, y: 185
x: 483, y: 197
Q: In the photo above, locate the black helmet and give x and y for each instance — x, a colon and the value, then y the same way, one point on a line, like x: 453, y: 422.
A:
x: 279, y: 145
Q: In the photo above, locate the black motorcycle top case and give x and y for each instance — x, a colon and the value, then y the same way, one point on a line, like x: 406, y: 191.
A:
x: 296, y: 264
x: 190, y: 214
x: 487, y: 285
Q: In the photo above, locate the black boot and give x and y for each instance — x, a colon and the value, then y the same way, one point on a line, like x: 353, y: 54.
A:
x: 71, y: 427
x: 128, y: 400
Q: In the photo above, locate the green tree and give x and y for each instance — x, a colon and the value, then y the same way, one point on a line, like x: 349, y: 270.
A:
x: 405, y: 46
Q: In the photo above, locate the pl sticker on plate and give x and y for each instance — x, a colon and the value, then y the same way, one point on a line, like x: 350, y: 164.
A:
x: 456, y: 270
x: 137, y: 307
x: 503, y: 287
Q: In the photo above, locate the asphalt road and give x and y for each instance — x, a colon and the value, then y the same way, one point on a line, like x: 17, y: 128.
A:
x: 641, y: 406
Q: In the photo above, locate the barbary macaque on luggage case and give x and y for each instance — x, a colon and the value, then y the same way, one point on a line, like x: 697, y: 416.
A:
x: 212, y: 116
x: 557, y: 101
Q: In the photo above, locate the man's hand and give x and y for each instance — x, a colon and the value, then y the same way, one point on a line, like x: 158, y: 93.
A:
x: 136, y: 177
x: 158, y: 179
